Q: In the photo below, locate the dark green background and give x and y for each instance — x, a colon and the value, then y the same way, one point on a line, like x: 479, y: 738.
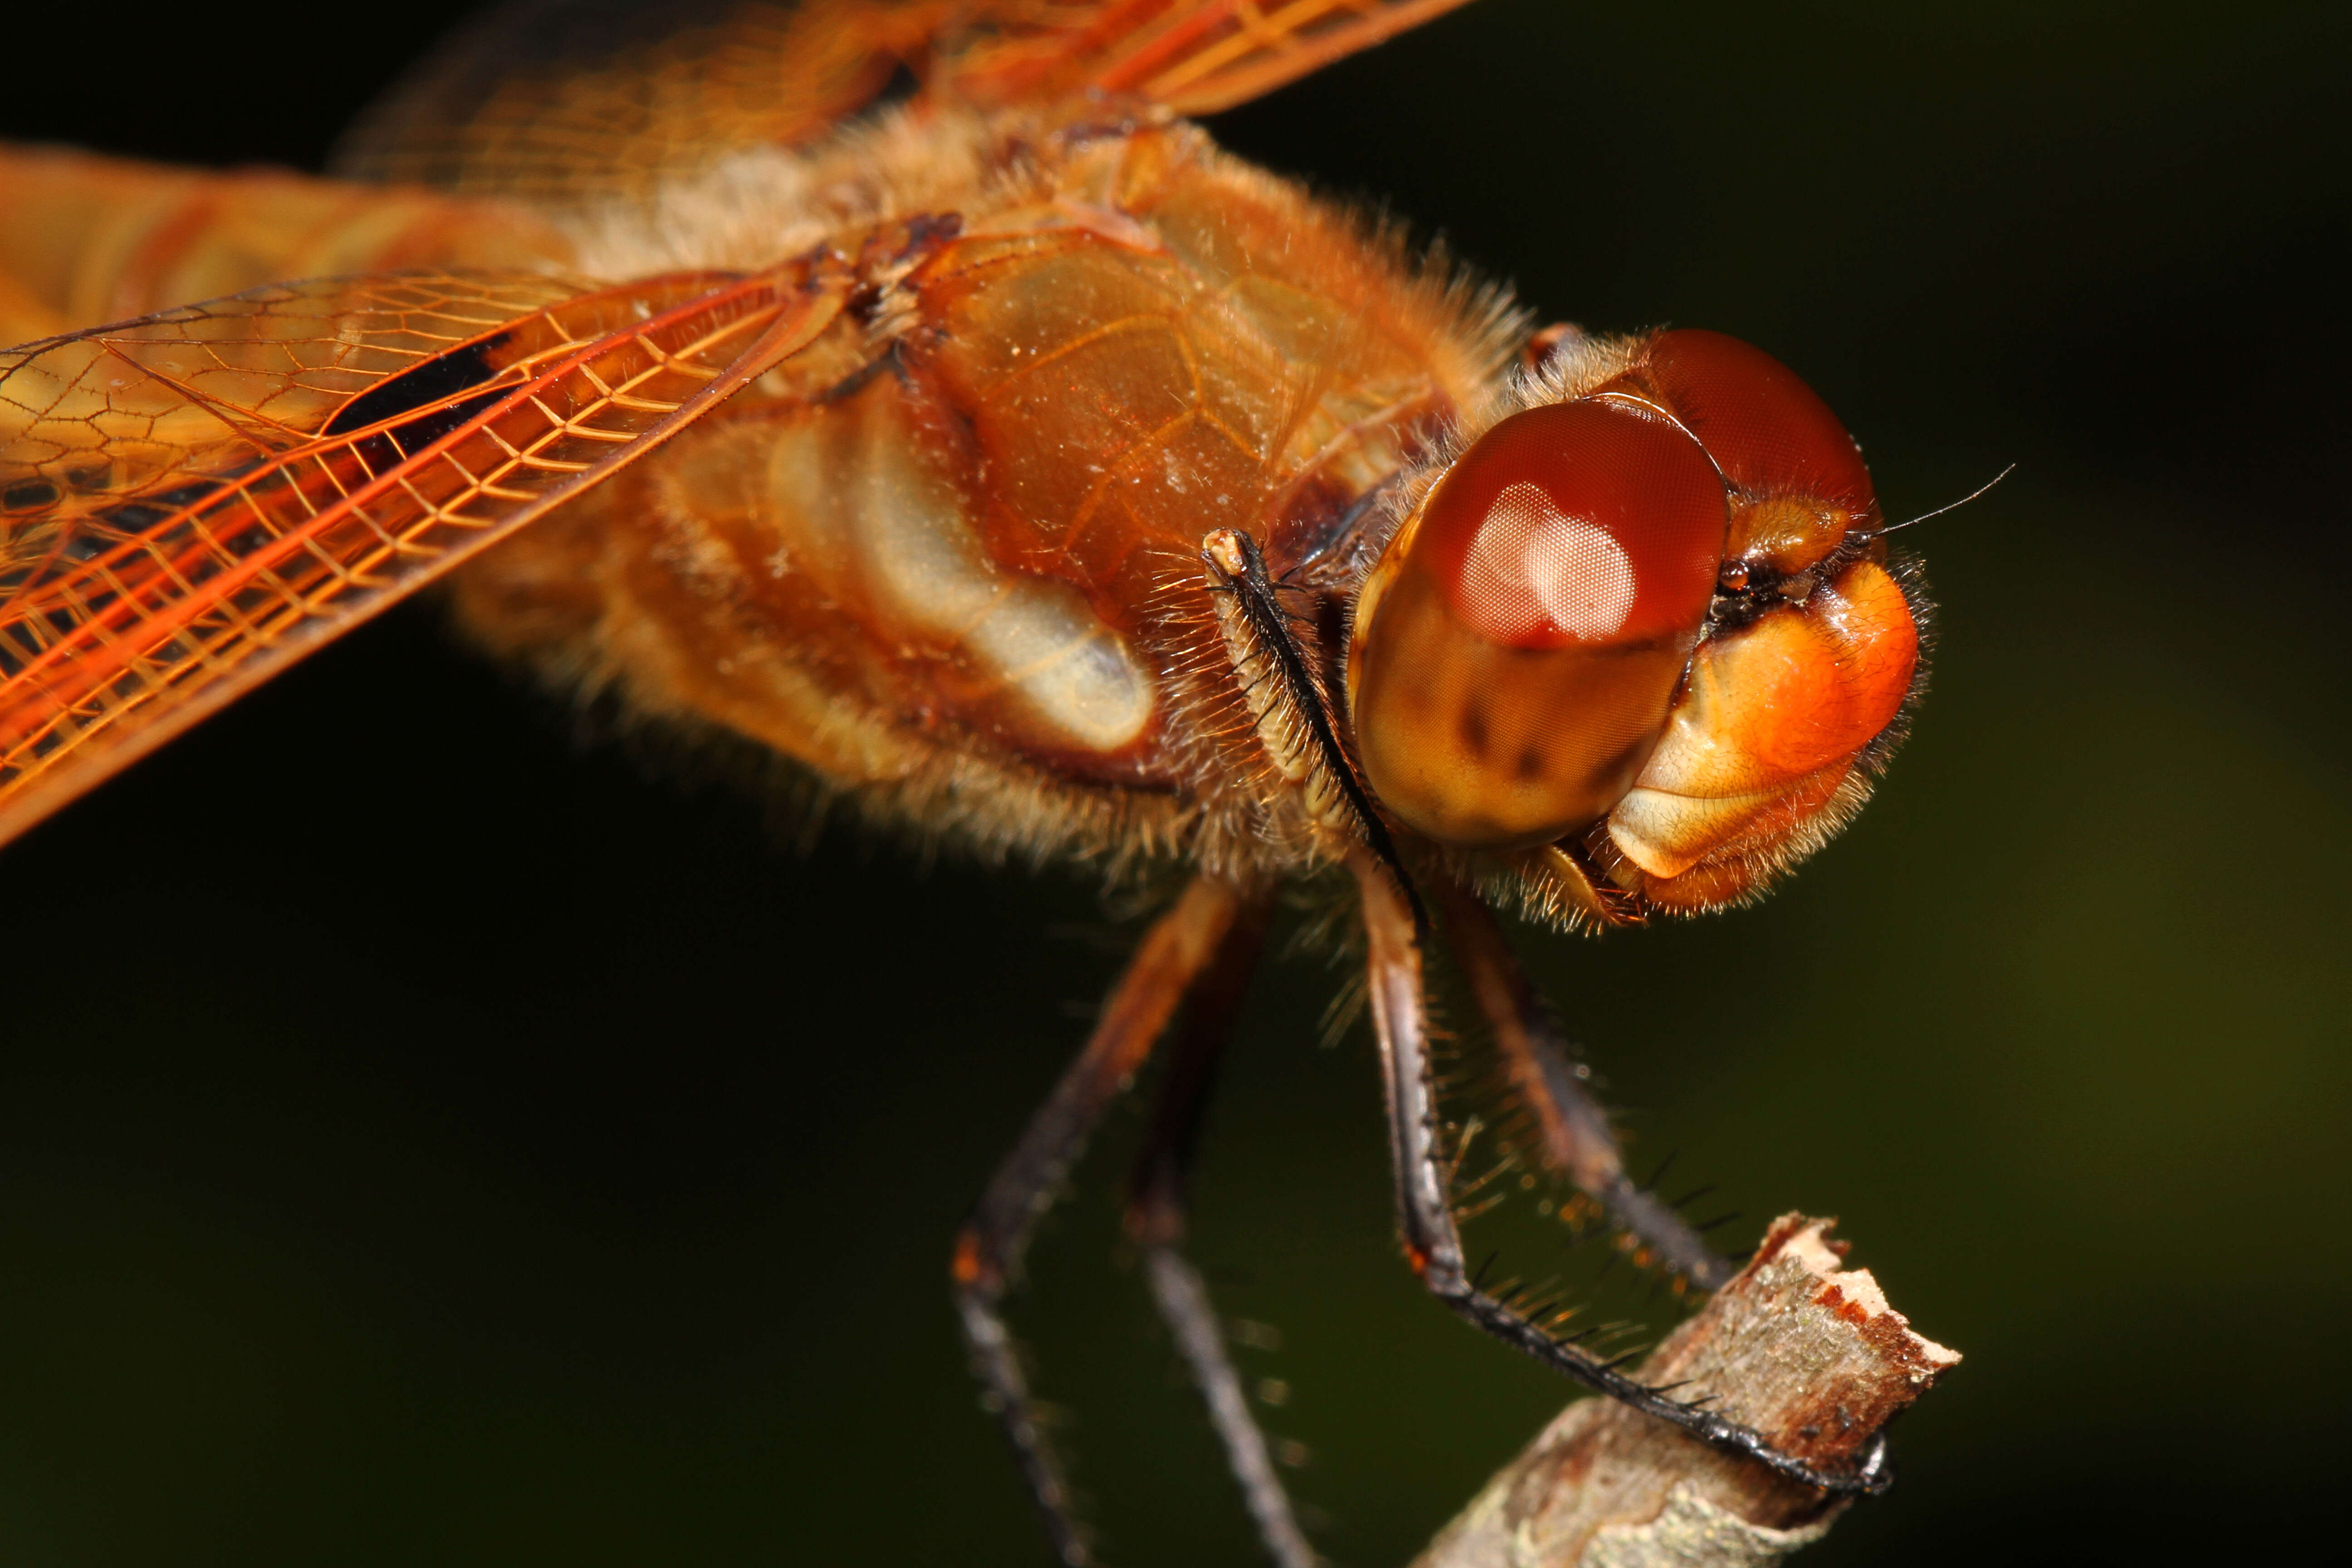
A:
x: 423, y: 1140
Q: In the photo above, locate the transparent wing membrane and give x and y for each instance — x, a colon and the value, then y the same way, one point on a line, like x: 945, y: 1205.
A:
x: 192, y: 501
x: 1195, y: 55
x: 556, y: 101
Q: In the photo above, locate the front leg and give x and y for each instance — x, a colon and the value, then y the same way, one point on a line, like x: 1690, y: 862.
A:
x: 1575, y: 1139
x: 1394, y: 932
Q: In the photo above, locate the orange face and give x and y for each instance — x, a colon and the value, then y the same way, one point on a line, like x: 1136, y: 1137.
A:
x: 1649, y: 624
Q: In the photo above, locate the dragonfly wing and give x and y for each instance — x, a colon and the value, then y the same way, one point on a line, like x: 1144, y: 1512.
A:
x: 1197, y: 57
x: 553, y: 101
x: 557, y: 101
x: 190, y: 503
x: 87, y: 238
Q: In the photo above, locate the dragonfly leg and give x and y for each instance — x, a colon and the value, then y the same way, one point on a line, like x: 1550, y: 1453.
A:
x: 989, y: 1248
x: 1394, y: 932
x: 1572, y: 1128
x: 1156, y: 1218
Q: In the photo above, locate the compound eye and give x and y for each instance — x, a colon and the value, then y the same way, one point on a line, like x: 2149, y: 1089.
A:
x: 1576, y: 524
x: 1769, y: 433
x: 1517, y: 648
x: 1801, y: 483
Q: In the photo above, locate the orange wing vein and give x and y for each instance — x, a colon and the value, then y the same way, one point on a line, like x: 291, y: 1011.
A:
x: 1195, y: 55
x: 553, y: 101
x: 190, y: 503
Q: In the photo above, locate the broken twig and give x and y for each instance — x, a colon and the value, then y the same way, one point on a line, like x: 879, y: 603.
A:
x: 1803, y: 1350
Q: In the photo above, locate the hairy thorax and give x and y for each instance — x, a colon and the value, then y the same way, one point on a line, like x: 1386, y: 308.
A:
x: 948, y: 558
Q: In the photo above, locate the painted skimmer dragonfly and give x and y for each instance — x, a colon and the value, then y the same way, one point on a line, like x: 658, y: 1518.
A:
x: 909, y: 388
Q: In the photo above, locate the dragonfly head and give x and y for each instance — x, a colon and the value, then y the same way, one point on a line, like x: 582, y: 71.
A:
x: 1642, y: 631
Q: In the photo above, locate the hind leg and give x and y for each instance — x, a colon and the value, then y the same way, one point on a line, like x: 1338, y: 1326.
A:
x: 1180, y: 945
x: 1156, y: 1218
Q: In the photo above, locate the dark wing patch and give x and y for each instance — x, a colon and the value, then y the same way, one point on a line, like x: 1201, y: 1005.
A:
x: 438, y: 380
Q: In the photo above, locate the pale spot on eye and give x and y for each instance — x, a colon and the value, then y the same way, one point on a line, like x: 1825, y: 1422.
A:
x: 1532, y: 563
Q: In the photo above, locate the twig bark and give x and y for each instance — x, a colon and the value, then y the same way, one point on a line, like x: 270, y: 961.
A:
x: 1805, y: 1352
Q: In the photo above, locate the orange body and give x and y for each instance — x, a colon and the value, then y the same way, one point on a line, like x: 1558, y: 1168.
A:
x: 945, y: 551
x: 951, y: 559
x: 1019, y: 467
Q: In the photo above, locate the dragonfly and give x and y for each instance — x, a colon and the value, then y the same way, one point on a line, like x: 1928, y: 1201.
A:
x: 912, y: 388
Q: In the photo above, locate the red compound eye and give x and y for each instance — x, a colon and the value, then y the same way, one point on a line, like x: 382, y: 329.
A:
x: 1516, y: 653
x: 1770, y: 432
x: 1580, y: 524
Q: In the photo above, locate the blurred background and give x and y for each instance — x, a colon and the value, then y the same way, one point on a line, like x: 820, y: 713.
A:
x: 423, y: 1139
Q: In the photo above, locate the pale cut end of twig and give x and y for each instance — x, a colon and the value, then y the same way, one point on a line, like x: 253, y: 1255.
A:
x: 1803, y: 1350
